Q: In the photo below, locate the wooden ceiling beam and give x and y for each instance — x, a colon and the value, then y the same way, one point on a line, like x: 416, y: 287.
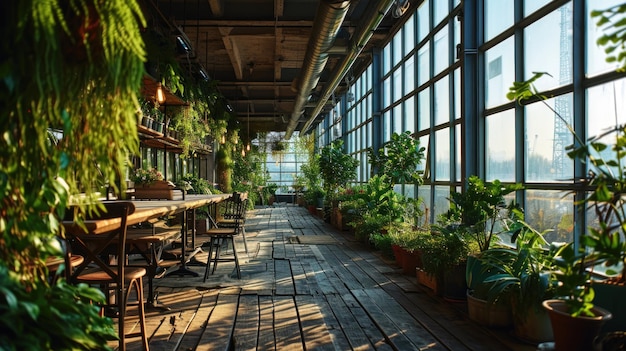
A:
x: 217, y: 7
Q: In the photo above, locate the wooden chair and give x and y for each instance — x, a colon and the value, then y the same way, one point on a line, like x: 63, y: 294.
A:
x: 234, y: 217
x: 105, y: 264
x: 219, y: 237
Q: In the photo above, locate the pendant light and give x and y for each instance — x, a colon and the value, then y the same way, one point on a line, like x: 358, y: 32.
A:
x: 249, y: 139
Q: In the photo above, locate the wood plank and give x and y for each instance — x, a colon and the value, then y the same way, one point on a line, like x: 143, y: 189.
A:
x: 286, y: 327
x: 332, y: 325
x: 329, y: 273
x: 394, y: 334
x: 219, y: 329
x: 183, y: 306
x: 246, y: 331
x: 284, y: 280
x: 196, y: 327
x: 314, y: 332
x: 370, y: 328
x: 266, y: 324
x: 349, y: 325
x: 299, y: 278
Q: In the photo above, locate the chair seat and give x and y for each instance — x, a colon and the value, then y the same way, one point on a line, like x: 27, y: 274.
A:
x: 53, y: 263
x: 98, y: 276
x: 220, y: 231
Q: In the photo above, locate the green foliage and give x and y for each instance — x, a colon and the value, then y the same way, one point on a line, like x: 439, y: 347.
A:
x: 480, y: 209
x: 613, y: 22
x: 336, y: 167
x: 524, y: 273
x: 74, y: 67
x: 58, y: 317
x: 195, y: 185
x: 446, y: 248
x: 398, y: 159
x: 574, y: 280
x: 383, y: 243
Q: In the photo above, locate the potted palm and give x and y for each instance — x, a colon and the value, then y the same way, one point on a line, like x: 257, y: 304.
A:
x: 522, y: 280
x: 337, y: 168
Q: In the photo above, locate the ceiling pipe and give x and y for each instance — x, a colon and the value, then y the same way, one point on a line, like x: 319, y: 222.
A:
x: 360, y: 39
x: 328, y: 21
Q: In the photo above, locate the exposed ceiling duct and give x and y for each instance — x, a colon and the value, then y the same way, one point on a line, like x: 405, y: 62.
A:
x: 328, y: 20
x: 358, y: 41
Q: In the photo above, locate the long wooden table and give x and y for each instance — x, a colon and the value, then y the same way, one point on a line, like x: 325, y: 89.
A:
x: 146, y: 210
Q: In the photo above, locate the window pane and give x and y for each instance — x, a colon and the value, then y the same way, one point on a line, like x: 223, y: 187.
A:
x: 409, y: 74
x: 423, y: 104
x: 387, y: 92
x: 596, y: 58
x: 553, y: 210
x: 531, y: 6
x: 423, y: 64
x: 423, y: 21
x: 387, y: 126
x: 457, y: 39
x: 397, y: 47
x: 498, y: 17
x: 441, y: 11
x: 397, y: 84
x: 409, y: 114
x: 397, y: 119
x: 442, y: 101
x: 424, y: 143
x: 457, y: 144
x: 546, y: 138
x: 457, y: 94
x: 605, y: 110
x: 500, y: 141
x: 409, y: 35
x: 442, y: 204
x: 499, y: 72
x: 551, y: 29
x: 442, y: 154
x: 442, y: 51
x: 386, y: 59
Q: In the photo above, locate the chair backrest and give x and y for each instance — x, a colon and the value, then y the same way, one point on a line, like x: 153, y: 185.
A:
x: 97, y: 248
x: 230, y: 208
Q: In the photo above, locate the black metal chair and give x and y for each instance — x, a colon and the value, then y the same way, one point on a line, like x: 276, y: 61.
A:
x: 232, y: 209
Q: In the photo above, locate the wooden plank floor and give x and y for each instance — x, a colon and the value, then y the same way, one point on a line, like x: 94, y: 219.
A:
x: 307, y: 286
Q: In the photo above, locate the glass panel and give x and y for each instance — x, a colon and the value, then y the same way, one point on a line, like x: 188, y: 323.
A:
x: 440, y: 10
x: 596, y: 58
x: 457, y: 144
x: 500, y: 141
x: 423, y: 21
x: 397, y: 47
x: 397, y: 119
x: 500, y: 72
x: 531, y: 6
x: 442, y: 154
x: 457, y: 39
x: 442, y: 50
x: 397, y: 84
x: 498, y: 17
x: 442, y: 204
x: 423, y: 109
x: 546, y: 138
x: 386, y: 59
x: 409, y: 114
x: 549, y: 209
x: 386, y: 92
x: 457, y: 94
x: 423, y: 192
x: 552, y: 29
x: 424, y: 144
x: 423, y: 64
x: 606, y: 108
x: 442, y: 101
x: 409, y: 35
x: 409, y: 74
x: 387, y: 125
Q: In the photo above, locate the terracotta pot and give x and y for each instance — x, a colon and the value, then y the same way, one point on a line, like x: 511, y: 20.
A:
x: 410, y: 261
x: 533, y: 326
x: 574, y: 333
x: 494, y: 315
x: 397, y: 254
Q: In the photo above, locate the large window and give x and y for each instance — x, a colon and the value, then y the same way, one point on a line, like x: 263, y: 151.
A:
x: 462, y: 115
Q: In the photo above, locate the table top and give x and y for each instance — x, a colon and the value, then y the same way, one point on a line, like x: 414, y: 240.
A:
x: 144, y: 211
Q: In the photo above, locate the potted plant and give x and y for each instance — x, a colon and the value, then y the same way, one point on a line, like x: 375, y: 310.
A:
x: 337, y: 168
x: 149, y: 184
x: 521, y: 280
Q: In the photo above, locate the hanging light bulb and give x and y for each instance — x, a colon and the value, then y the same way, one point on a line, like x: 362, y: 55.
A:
x: 223, y: 139
x: 243, y: 153
x: 160, y: 95
x: 248, y: 147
